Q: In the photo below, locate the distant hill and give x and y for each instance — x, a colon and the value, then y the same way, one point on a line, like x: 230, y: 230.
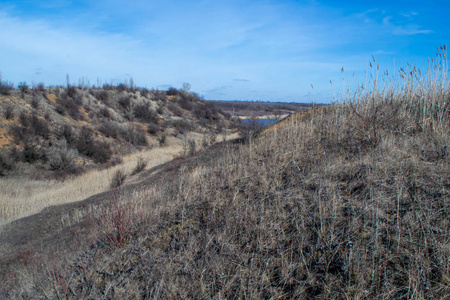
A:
x: 61, y: 129
x: 259, y: 108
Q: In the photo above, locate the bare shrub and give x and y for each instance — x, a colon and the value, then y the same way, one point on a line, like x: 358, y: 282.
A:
x: 175, y: 109
x: 183, y: 126
x: 99, y: 151
x: 144, y: 92
x: 116, y: 160
x: 121, y: 87
x: 140, y: 165
x: 40, y: 87
x: 74, y: 170
x: 31, y: 152
x: 7, y: 163
x: 172, y: 91
x: 19, y: 133
x: 162, y: 139
x: 66, y: 132
x: 186, y: 100
x: 71, y: 91
x: 62, y: 158
x: 23, y: 87
x: 205, y: 111
x: 8, y: 112
x: 39, y: 126
x: 103, y: 96
x: 160, y: 96
x: 117, y: 220
x: 111, y: 129
x: 118, y: 179
x: 104, y: 113
x: 189, y: 147
x: 134, y: 135
x: 35, y: 102
x: 6, y: 87
x: 68, y: 105
x: 24, y: 119
x: 153, y: 128
x: 145, y: 113
x: 125, y: 102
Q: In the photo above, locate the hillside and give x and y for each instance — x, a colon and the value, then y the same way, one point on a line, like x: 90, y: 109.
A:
x: 62, y: 128
x: 50, y: 136
x: 346, y: 201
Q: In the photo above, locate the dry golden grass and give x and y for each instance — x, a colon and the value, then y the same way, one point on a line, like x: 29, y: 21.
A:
x: 22, y: 197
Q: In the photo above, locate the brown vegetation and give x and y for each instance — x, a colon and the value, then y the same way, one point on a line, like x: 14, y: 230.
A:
x: 348, y: 201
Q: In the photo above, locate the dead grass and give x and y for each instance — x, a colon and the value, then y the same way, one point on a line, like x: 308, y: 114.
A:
x: 349, y: 202
x: 23, y: 197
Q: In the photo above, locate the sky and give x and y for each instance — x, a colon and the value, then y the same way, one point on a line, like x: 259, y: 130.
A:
x: 292, y: 51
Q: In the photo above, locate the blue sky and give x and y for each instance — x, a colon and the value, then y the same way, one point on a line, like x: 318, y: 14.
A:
x: 226, y: 50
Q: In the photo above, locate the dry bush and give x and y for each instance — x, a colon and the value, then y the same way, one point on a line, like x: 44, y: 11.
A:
x: 8, y: 112
x: 182, y: 126
x: 87, y: 145
x: 6, y: 87
x: 125, y: 102
x: 172, y: 91
x: 162, y: 139
x: 31, y: 152
x: 35, y: 102
x: 134, y: 135
x: 7, y: 163
x: 175, y: 109
x: 153, y: 128
x: 140, y: 165
x: 118, y: 220
x: 160, y: 96
x: 103, y: 96
x: 40, y: 87
x: 69, y: 105
x: 111, y: 129
x: 144, y: 92
x: 145, y: 113
x: 39, y: 126
x: 62, y: 158
x: 118, y: 179
x: 104, y: 113
x: 66, y: 132
x: 23, y: 87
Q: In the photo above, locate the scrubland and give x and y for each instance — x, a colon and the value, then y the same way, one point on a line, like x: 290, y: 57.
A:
x: 64, y: 144
x: 350, y: 201
x: 22, y: 197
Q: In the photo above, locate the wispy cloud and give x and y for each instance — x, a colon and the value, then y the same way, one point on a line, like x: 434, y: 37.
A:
x: 410, y: 30
x: 225, y: 49
x: 406, y: 29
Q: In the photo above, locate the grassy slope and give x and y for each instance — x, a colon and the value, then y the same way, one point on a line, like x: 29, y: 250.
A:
x: 117, y: 119
x: 349, y: 201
